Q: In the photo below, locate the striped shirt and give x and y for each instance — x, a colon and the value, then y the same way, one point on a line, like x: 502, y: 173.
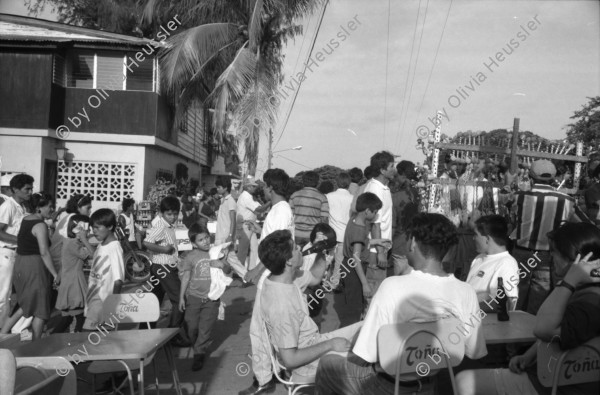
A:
x: 538, y: 212
x: 310, y: 207
x: 163, y: 234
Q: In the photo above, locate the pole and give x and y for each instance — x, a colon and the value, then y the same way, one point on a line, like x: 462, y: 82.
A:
x: 514, y: 160
x: 269, y: 163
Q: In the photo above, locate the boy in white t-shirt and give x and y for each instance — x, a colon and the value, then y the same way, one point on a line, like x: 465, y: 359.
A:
x: 492, y: 263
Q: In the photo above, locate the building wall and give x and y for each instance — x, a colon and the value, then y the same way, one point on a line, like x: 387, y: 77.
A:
x: 22, y: 155
x: 25, y: 88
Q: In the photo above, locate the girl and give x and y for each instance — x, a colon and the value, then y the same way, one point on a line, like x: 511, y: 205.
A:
x: 34, y: 272
x: 73, y: 286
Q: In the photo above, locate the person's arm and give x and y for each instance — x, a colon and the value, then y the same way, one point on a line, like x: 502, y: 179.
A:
x: 356, y: 251
x: 293, y: 358
x: 159, y: 249
x: 550, y: 314
x: 5, y: 237
x: 232, y: 221
x: 254, y: 275
x: 40, y: 231
x: 319, y: 268
x: 185, y: 280
x: 221, y: 264
x: 519, y: 363
x: 325, y: 211
x: 82, y: 236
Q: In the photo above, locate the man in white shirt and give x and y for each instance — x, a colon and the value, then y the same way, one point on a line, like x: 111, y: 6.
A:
x: 5, y: 191
x: 12, y: 213
x: 339, y: 215
x: 247, y: 209
x: 424, y: 295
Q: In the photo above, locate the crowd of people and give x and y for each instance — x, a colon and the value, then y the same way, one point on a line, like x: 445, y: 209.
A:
x: 368, y: 238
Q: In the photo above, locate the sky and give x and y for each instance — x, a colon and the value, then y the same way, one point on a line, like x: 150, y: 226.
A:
x: 372, y: 90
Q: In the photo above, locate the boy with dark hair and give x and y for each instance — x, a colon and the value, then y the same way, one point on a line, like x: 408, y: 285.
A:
x: 201, y: 308
x: 309, y: 206
x: 127, y: 223
x: 425, y: 294
x: 284, y: 309
x: 226, y: 215
x: 356, y: 242
x: 161, y: 240
x: 493, y: 262
x: 356, y: 176
x: 12, y: 212
x: 108, y: 269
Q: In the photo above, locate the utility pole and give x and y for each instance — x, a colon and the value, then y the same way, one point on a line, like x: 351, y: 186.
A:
x: 270, y: 148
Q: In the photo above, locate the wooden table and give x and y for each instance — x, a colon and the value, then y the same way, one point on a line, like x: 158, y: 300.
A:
x: 110, y: 346
x: 519, y: 329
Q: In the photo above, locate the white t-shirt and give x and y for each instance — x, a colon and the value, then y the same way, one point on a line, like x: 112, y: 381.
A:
x: 485, y: 271
x: 339, y: 211
x: 384, y: 216
x: 107, y: 267
x: 422, y: 297
x: 11, y: 214
x: 246, y: 206
x: 224, y: 220
x: 280, y: 217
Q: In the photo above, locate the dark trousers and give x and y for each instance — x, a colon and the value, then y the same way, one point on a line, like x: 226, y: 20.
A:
x: 200, y: 317
x: 171, y: 285
x: 353, y: 295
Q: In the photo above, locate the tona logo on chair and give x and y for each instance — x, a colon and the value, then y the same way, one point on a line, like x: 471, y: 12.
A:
x: 127, y: 307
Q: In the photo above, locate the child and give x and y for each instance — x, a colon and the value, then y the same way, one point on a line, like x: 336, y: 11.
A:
x: 162, y: 242
x: 492, y: 263
x: 73, y: 286
x: 108, y: 271
x: 356, y: 242
x: 127, y: 223
x: 201, y: 307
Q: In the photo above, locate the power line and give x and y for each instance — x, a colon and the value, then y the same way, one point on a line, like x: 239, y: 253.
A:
x: 414, y: 70
x: 412, y: 48
x: 300, y: 82
x: 433, y: 65
x: 386, y: 72
x: 293, y: 161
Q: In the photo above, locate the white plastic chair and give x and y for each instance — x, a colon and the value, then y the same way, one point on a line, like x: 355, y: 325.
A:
x: 556, y: 367
x: 39, y: 375
x: 413, y: 351
x: 292, y: 387
x: 121, y: 305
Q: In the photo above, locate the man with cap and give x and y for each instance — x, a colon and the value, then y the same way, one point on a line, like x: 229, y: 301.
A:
x: 247, y: 210
x: 539, y: 211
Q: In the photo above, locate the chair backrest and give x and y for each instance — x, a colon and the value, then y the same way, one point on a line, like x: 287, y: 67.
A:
x: 130, y: 308
x: 276, y: 366
x: 556, y: 367
x: 416, y: 350
x: 44, y: 375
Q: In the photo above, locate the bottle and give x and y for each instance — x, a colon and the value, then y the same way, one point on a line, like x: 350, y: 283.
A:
x: 502, y: 308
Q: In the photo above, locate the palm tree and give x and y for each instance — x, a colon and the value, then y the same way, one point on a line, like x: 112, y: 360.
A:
x: 230, y: 59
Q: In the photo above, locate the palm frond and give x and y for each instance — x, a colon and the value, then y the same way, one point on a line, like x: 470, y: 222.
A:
x: 255, y: 26
x: 187, y: 51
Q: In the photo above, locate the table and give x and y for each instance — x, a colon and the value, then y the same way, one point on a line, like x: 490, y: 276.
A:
x: 519, y: 329
x: 105, y: 346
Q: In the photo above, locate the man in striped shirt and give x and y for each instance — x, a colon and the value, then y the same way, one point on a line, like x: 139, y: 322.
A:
x: 310, y: 207
x: 538, y: 212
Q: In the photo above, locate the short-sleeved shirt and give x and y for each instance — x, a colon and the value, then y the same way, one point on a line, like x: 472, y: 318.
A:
x: 246, y: 206
x: 285, y: 314
x: 354, y: 234
x: 224, y: 220
x: 353, y: 188
x: 421, y: 297
x: 384, y: 216
x: 487, y: 269
x: 11, y: 214
x: 107, y: 267
x: 198, y: 264
x: 163, y: 234
x: 310, y: 207
x: 339, y: 211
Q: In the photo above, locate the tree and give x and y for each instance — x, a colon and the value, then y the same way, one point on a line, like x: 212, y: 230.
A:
x: 587, y: 125
x: 230, y: 59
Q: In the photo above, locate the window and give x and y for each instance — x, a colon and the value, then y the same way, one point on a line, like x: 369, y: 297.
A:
x: 140, y: 76
x: 81, y: 70
x: 108, y: 70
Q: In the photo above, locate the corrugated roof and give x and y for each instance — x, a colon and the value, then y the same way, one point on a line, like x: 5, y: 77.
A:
x: 19, y: 28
